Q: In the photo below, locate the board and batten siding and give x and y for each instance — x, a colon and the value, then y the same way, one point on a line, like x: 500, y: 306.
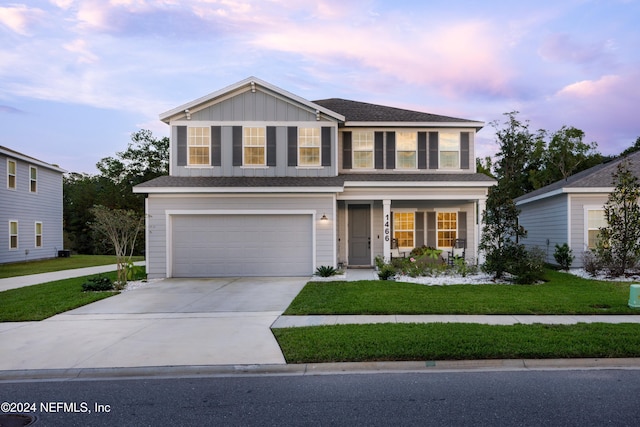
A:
x: 158, y: 205
x: 45, y: 206
x: 546, y: 224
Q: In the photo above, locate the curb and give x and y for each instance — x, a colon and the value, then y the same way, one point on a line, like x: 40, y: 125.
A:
x: 418, y: 367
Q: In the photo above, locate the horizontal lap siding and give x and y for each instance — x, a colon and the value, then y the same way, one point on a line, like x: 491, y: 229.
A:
x: 158, y: 205
x: 545, y: 219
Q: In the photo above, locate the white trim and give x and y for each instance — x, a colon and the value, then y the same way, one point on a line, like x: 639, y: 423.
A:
x: 431, y: 197
x: 430, y: 184
x: 35, y: 234
x: 15, y: 175
x: 470, y: 124
x: 23, y: 157
x: 170, y: 214
x: 455, y: 210
x: 32, y: 167
x: 244, y: 190
x: 567, y: 190
x: 147, y: 232
x: 585, y: 222
x: 17, y: 234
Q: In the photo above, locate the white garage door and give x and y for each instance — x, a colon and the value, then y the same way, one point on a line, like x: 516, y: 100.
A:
x: 242, y: 245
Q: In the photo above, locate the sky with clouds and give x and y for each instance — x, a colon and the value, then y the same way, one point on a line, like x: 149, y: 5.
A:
x: 77, y: 77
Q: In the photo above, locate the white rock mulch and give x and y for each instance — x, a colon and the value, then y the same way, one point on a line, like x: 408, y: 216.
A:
x: 137, y: 284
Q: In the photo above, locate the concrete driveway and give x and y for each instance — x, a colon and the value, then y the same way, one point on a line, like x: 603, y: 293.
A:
x: 172, y: 322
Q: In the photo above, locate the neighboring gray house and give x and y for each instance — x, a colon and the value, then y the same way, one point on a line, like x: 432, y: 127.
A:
x: 570, y: 211
x: 265, y: 183
x: 30, y: 208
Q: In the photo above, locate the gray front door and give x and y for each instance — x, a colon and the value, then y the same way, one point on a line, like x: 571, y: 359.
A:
x: 359, y: 235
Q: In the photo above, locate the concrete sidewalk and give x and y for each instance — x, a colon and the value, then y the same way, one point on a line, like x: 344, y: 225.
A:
x: 36, y: 279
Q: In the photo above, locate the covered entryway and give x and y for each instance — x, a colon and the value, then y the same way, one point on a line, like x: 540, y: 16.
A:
x: 359, y: 235
x: 225, y: 245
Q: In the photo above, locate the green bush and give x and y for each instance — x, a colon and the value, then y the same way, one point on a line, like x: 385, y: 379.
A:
x: 528, y: 267
x: 386, y: 272
x: 563, y: 256
x: 98, y: 283
x: 325, y: 271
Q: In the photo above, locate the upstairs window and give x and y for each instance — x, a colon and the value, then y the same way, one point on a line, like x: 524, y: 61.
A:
x: 449, y: 150
x: 11, y: 174
x: 38, y: 233
x: 33, y: 179
x: 447, y: 229
x: 254, y: 144
x: 595, y: 221
x: 309, y: 147
x: 362, y: 146
x: 404, y: 229
x: 13, y: 234
x: 406, y: 150
x: 199, y: 146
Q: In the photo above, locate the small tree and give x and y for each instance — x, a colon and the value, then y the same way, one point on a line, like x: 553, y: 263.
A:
x: 619, y: 243
x: 121, y: 228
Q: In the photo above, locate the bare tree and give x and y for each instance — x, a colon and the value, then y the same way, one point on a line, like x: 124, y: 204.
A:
x: 121, y: 228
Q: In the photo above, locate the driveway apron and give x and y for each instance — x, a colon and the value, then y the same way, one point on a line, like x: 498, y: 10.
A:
x: 172, y: 322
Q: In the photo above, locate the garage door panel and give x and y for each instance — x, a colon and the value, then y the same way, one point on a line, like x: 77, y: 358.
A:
x: 241, y: 245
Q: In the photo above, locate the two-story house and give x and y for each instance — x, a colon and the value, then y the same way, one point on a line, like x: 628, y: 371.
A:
x: 30, y: 208
x: 265, y: 183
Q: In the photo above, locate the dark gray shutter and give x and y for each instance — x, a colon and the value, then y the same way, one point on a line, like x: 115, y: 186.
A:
x: 237, y: 145
x: 391, y: 150
x: 346, y: 150
x: 432, y: 241
x: 182, y: 145
x: 271, y: 146
x: 292, y: 146
x: 216, y: 146
x: 422, y: 150
x: 464, y: 150
x: 419, y: 240
x: 462, y: 225
x: 433, y: 150
x: 326, y: 146
x: 378, y: 153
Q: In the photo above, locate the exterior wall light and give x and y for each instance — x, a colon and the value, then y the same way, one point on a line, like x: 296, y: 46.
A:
x: 324, y: 217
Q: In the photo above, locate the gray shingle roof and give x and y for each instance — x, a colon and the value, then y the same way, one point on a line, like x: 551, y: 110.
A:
x: 355, y: 111
x: 597, y: 177
x: 333, y: 181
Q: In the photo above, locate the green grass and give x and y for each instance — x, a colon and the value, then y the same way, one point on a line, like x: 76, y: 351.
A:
x: 562, y: 294
x: 57, y: 264
x: 39, y: 302
x: 438, y: 341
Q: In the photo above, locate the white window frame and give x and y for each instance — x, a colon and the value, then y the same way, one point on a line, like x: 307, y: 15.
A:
x: 358, y: 139
x: 446, y: 230
x: 36, y: 234
x: 587, y: 209
x: 309, y: 138
x: 33, y: 182
x: 404, y: 230
x: 441, y: 151
x: 16, y: 235
x: 13, y: 175
x: 248, y: 138
x: 201, y: 140
x: 400, y: 135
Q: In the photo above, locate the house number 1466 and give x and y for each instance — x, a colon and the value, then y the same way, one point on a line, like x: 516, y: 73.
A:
x: 387, y: 230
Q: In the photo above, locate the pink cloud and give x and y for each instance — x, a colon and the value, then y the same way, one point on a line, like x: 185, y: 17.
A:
x: 20, y: 18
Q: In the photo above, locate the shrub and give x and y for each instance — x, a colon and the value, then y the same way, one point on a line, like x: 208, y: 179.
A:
x: 386, y: 272
x: 462, y: 267
x: 528, y: 267
x: 325, y: 271
x: 98, y: 283
x: 591, y: 263
x: 564, y: 256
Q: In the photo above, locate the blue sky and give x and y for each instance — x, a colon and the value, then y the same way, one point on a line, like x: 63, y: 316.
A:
x: 77, y: 77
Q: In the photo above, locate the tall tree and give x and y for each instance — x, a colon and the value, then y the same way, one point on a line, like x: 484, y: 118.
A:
x: 519, y: 155
x: 619, y: 243
x: 635, y: 147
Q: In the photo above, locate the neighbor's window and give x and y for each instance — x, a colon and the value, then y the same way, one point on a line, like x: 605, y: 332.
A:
x: 406, y: 150
x: 403, y: 229
x: 13, y: 234
x: 449, y: 145
x: 38, y: 234
x: 309, y: 146
x: 199, y: 145
x: 362, y: 146
x: 254, y: 143
x: 33, y: 179
x: 595, y: 221
x: 11, y: 174
x: 447, y: 229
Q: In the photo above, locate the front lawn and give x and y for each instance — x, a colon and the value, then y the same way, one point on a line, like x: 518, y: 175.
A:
x: 39, y: 302
x: 57, y: 264
x: 562, y: 294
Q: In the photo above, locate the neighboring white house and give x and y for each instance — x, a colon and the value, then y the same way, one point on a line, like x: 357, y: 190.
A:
x: 570, y: 211
x: 30, y: 208
x: 265, y: 183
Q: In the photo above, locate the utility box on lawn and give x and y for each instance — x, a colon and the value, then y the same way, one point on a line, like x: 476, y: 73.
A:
x: 634, y: 296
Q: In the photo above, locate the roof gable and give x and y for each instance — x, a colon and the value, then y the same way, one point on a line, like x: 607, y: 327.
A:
x: 28, y: 159
x: 250, y: 85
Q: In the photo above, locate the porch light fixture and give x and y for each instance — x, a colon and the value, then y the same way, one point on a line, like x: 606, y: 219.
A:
x: 324, y: 217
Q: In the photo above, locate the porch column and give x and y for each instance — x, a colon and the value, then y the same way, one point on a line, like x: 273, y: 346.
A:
x: 386, y: 230
x: 481, y: 203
